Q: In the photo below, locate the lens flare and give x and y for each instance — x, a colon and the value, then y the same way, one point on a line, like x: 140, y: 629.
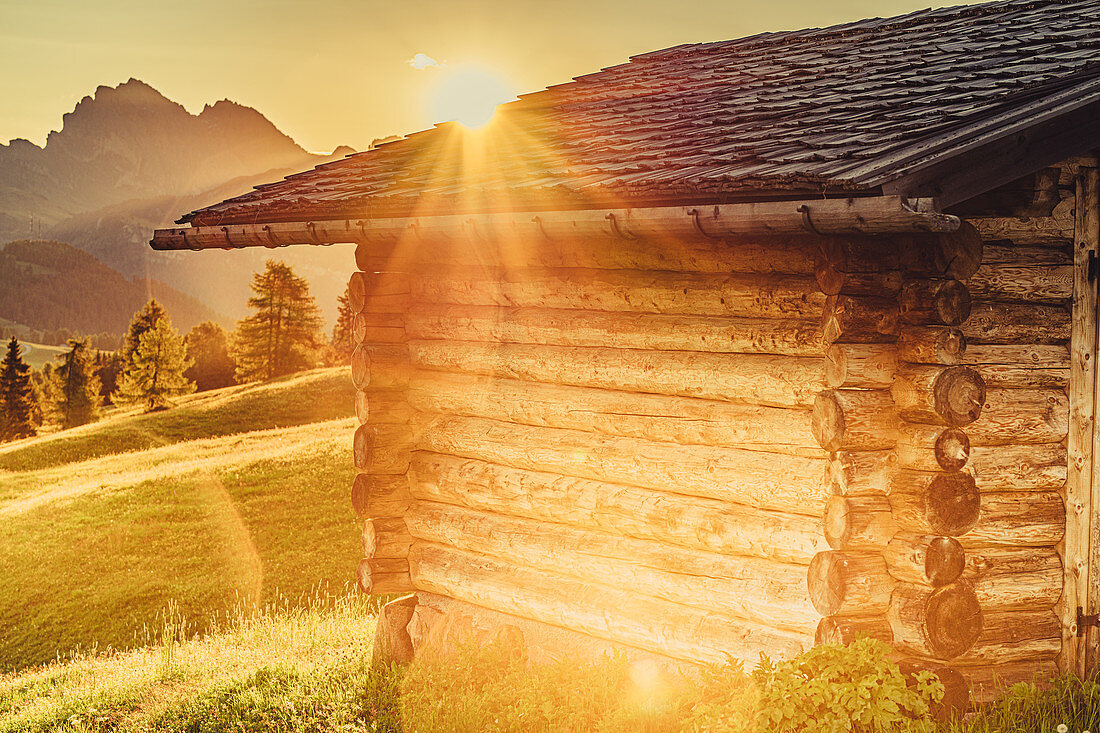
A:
x: 468, y: 95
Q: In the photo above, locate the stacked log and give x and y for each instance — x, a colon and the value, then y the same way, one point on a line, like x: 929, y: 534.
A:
x: 382, y: 444
x: 935, y: 614
x: 855, y: 421
x: 980, y: 464
x: 1018, y: 338
x: 622, y: 448
x: 902, y: 471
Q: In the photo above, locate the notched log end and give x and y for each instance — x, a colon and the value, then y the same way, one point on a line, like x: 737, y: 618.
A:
x: 944, y: 560
x: 954, y: 619
x: 959, y: 395
x: 952, y: 503
x: 827, y: 422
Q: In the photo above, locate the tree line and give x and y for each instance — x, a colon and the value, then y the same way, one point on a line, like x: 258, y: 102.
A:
x: 156, y: 364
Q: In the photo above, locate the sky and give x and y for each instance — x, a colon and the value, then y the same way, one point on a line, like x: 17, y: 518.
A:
x: 344, y: 72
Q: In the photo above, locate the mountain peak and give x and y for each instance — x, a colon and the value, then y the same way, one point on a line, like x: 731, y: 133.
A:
x: 229, y: 108
x: 130, y: 141
x: 133, y: 91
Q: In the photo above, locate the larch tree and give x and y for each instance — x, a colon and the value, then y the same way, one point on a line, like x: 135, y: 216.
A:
x: 143, y: 320
x: 43, y: 384
x: 17, y: 401
x: 108, y: 367
x: 342, y: 340
x: 154, y: 374
x: 208, y: 349
x: 283, y: 335
x: 76, y: 388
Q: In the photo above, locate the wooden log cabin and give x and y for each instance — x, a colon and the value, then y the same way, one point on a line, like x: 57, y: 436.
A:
x: 737, y: 347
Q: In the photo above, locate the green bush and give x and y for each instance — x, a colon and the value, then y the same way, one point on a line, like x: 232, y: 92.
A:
x: 830, y: 688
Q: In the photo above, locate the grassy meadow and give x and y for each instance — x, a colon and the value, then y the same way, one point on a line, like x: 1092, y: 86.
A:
x: 234, y: 499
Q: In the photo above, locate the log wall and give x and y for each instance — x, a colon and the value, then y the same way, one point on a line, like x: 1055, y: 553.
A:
x: 727, y: 447
x: 616, y: 445
x: 1019, y: 340
x: 948, y: 456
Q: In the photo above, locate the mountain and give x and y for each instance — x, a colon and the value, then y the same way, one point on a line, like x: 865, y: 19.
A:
x: 130, y: 141
x: 46, y: 285
x: 128, y: 160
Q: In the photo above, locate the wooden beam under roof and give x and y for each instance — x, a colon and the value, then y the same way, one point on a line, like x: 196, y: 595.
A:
x: 859, y: 216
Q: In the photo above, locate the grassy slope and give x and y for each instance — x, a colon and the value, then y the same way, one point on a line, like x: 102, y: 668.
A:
x: 305, y: 669
x: 322, y: 394
x: 99, y: 532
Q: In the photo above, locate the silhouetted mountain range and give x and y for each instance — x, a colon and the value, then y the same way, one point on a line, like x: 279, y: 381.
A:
x: 128, y: 160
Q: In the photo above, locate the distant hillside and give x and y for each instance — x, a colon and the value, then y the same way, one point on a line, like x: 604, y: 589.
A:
x: 47, y: 285
x: 128, y: 160
x: 118, y: 236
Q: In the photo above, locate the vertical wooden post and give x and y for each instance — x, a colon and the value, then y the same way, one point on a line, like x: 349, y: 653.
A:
x: 1082, y: 434
x: 1086, y: 231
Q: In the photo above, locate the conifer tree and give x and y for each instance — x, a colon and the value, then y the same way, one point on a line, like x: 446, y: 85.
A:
x: 342, y: 340
x: 143, y: 320
x: 108, y: 368
x: 16, y: 395
x: 76, y: 388
x: 283, y: 335
x: 44, y: 384
x: 208, y: 348
x: 154, y: 373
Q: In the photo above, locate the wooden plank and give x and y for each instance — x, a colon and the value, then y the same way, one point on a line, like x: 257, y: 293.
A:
x: 748, y: 379
x: 564, y: 327
x: 1087, y: 238
x: 753, y: 589
x: 1082, y: 388
x: 684, y: 420
x: 626, y: 511
x: 842, y: 216
x: 1051, y: 131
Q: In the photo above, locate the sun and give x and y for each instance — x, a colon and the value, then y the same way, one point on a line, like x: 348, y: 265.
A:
x: 468, y: 95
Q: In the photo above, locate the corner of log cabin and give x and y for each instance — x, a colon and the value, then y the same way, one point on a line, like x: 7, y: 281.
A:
x: 699, y: 449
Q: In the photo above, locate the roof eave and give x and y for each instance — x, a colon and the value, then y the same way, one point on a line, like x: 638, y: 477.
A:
x: 977, y: 158
x: 849, y: 216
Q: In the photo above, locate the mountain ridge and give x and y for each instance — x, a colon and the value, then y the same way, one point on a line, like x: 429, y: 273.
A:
x: 131, y: 141
x: 127, y: 159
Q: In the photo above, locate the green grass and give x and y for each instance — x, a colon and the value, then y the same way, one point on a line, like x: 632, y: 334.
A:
x: 296, y: 669
x: 321, y: 394
x: 1026, y: 708
x: 306, y: 668
x: 95, y: 549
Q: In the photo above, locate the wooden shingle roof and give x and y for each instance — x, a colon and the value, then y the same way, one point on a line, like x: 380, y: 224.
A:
x: 847, y: 110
